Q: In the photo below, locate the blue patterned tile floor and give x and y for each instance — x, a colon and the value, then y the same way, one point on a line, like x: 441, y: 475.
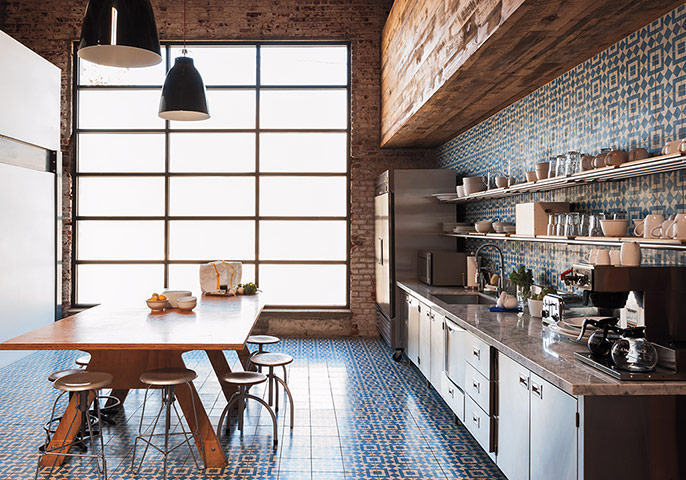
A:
x: 359, y: 415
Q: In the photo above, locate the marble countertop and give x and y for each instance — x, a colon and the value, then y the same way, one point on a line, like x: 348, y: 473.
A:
x: 542, y: 351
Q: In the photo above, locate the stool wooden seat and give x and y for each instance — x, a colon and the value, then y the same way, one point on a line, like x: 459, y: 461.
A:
x: 63, y: 373
x: 168, y: 376
x: 263, y: 339
x: 83, y: 360
x: 244, y: 380
x: 83, y: 381
x: 271, y: 359
x: 168, y: 379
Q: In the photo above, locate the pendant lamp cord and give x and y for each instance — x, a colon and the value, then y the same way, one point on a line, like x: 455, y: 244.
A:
x: 184, y: 51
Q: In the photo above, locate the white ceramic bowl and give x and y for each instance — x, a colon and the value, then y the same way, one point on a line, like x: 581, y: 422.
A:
x: 174, y: 295
x: 484, y: 226
x: 156, y: 305
x: 614, y: 228
x: 186, y: 303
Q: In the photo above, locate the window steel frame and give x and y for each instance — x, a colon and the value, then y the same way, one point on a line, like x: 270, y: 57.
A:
x: 167, y: 175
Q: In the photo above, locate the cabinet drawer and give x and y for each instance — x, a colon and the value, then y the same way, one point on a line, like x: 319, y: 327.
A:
x: 479, y: 423
x: 478, y: 387
x: 478, y: 354
x: 453, y: 396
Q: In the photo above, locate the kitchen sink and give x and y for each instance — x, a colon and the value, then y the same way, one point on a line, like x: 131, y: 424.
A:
x: 459, y: 299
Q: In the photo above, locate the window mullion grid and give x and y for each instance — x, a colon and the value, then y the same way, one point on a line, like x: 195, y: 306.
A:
x: 167, y: 175
x: 258, y: 84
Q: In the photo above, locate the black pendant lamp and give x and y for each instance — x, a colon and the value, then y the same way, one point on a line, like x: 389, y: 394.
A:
x: 120, y: 33
x: 183, y: 94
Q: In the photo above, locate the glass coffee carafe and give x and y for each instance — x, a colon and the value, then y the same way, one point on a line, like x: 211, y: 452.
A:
x: 633, y: 352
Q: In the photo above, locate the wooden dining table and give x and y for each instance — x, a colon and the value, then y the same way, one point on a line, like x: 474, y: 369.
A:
x: 126, y: 341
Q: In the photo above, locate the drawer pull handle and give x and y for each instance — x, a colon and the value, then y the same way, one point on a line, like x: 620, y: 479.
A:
x: 476, y: 420
x: 477, y: 353
x: 476, y: 386
x: 537, y: 390
x: 524, y: 381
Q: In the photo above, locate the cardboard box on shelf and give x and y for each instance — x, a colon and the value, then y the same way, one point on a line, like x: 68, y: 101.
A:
x: 532, y: 218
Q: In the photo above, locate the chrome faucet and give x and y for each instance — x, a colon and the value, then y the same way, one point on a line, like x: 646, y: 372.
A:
x: 501, y: 280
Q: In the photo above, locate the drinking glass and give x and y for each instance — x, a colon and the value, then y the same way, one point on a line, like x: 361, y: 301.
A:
x: 572, y: 163
x: 560, y: 165
x: 552, y: 168
x: 572, y: 222
x: 585, y: 227
x: 561, y: 219
x: 553, y: 220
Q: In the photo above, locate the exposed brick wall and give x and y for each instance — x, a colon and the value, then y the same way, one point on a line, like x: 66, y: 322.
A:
x: 50, y: 26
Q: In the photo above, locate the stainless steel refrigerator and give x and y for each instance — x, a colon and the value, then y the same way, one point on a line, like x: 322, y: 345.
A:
x: 406, y: 219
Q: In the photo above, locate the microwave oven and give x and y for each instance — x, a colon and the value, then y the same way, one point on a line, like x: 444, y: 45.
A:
x: 442, y: 268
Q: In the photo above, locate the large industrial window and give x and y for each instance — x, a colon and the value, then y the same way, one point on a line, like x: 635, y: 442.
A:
x: 263, y: 181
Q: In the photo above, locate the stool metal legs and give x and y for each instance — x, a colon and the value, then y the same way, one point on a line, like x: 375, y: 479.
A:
x: 240, y: 397
x: 273, y: 379
x: 168, y: 405
x: 82, y: 404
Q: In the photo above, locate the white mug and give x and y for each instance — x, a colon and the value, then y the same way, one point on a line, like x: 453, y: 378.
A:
x: 678, y: 229
x: 645, y: 227
x: 614, y: 258
x: 662, y: 231
x: 603, y: 257
x: 593, y: 256
x: 630, y: 254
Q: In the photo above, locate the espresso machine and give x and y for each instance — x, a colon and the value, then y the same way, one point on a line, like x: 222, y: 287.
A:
x: 653, y: 297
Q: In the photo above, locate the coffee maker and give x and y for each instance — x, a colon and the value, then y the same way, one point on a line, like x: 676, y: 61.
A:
x: 653, y: 297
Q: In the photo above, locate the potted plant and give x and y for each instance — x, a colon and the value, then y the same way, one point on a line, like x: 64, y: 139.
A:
x: 523, y: 278
x: 535, y: 301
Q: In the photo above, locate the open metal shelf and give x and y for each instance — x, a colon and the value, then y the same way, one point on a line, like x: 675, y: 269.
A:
x: 599, y: 241
x: 648, y: 166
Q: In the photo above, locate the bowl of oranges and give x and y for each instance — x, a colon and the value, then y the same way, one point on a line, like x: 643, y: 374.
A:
x: 157, y: 303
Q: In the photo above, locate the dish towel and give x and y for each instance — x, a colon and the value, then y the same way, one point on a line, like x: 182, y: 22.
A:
x: 507, y: 310
x: 220, y: 275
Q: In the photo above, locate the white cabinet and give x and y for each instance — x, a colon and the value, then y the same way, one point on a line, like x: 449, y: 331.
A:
x: 537, y: 426
x: 454, y: 353
x: 513, y: 419
x: 413, y: 329
x: 424, y: 362
x: 553, y: 432
x: 437, y: 349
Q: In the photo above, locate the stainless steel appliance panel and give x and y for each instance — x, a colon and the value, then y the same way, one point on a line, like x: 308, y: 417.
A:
x: 382, y: 255
x: 407, y: 219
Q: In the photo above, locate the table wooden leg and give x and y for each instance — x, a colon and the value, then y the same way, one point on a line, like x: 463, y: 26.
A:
x: 221, y: 366
x: 244, y: 356
x: 211, y: 450
x: 118, y: 393
x: 64, y: 434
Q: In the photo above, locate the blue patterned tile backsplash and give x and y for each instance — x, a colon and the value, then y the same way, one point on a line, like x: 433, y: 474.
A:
x: 631, y: 95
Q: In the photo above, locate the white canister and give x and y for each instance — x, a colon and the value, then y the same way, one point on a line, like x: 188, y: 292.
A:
x: 630, y: 254
x: 471, y: 272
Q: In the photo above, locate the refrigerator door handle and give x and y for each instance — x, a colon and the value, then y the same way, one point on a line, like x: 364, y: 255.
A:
x: 380, y: 251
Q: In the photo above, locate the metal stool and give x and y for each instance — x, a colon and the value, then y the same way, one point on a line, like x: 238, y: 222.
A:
x: 244, y: 380
x: 261, y: 341
x: 272, y: 360
x: 81, y: 384
x: 115, y: 403
x: 167, y: 379
x: 83, y: 360
x: 81, y: 444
